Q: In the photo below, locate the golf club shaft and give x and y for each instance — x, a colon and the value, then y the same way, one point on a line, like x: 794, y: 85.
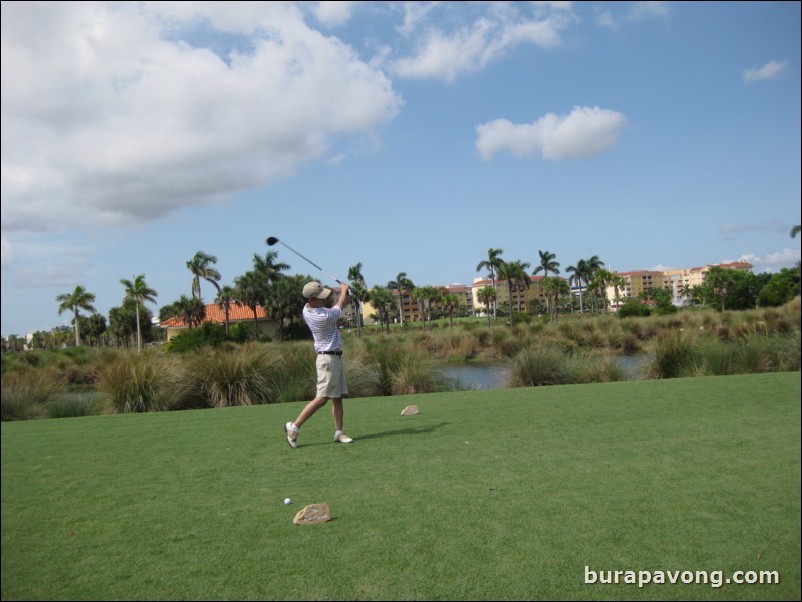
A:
x: 310, y: 261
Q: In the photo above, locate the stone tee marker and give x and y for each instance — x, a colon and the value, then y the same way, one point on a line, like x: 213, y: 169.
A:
x: 313, y: 514
x: 410, y: 411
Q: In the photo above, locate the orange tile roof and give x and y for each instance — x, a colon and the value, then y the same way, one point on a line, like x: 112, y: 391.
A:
x: 237, y: 312
x: 736, y: 264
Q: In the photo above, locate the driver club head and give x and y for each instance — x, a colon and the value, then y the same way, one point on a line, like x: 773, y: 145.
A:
x: 271, y: 240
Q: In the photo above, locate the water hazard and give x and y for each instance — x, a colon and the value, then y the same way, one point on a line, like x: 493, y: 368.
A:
x: 493, y: 376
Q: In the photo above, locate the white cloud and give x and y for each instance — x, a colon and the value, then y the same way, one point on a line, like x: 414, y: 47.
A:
x: 444, y: 54
x: 110, y: 116
x: 333, y: 13
x: 585, y: 132
x: 648, y: 10
x: 772, y: 262
x: 771, y: 70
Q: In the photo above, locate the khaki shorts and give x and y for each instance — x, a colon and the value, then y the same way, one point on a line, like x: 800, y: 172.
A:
x: 331, y: 376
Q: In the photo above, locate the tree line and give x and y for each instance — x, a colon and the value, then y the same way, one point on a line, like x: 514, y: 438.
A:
x: 266, y: 286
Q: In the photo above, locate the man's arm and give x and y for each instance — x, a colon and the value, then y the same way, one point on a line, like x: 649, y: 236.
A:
x: 343, y: 295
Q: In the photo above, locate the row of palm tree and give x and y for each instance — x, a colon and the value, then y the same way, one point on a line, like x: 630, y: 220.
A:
x: 266, y: 286
x: 515, y: 274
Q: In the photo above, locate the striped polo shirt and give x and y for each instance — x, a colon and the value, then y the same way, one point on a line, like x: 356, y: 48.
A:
x: 322, y: 322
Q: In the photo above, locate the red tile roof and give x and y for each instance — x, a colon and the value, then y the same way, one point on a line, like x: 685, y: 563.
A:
x: 236, y: 312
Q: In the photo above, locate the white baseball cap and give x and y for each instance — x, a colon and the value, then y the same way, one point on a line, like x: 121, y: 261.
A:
x: 315, y: 290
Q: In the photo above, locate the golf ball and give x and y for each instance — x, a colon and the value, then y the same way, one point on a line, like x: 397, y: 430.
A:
x: 287, y: 501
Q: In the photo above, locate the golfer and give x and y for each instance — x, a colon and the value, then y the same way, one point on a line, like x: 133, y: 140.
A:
x: 322, y: 321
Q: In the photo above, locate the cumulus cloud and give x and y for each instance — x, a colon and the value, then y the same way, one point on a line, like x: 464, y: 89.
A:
x: 632, y: 13
x: 445, y: 54
x: 772, y: 262
x: 771, y: 70
x: 333, y: 13
x: 115, y: 112
x: 585, y: 132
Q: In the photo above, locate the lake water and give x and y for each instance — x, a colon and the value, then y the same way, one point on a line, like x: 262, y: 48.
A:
x: 491, y: 376
x: 475, y: 376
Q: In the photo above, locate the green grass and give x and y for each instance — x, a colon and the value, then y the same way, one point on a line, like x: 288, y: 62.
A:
x: 503, y: 494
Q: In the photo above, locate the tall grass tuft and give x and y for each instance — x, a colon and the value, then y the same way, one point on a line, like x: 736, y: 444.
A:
x: 25, y: 393
x: 672, y: 355
x: 72, y: 405
x: 715, y: 358
x: 403, y: 369
x: 540, y: 365
x: 228, y: 376
x: 415, y: 372
x: 754, y: 354
x: 789, y: 353
x: 292, y: 373
x: 595, y: 367
x: 140, y: 382
x: 460, y: 346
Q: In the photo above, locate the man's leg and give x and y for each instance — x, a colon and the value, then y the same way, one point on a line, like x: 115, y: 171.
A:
x: 337, y: 412
x: 312, y: 407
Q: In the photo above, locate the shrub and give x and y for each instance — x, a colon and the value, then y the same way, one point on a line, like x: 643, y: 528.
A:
x: 536, y: 366
x: 230, y: 375
x: 72, y: 405
x: 25, y: 393
x: 143, y: 381
x: 672, y: 355
x: 633, y: 307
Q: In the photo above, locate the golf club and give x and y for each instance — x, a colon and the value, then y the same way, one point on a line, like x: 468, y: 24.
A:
x: 271, y: 240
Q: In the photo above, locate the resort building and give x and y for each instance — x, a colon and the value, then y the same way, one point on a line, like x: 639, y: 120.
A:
x: 237, y: 313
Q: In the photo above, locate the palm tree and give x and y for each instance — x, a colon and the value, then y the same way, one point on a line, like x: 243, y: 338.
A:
x: 512, y: 272
x: 200, y: 266
x: 487, y: 295
x: 578, y: 275
x: 192, y: 310
x: 401, y: 284
x: 269, y: 266
x: 592, y: 265
x: 359, y: 293
x: 721, y: 281
x: 795, y: 230
x: 554, y: 289
x: 492, y: 263
x: 450, y: 302
x: 520, y: 278
x: 546, y: 265
x: 381, y: 299
x: 137, y: 292
x: 251, y: 291
x: 282, y: 299
x: 601, y: 280
x: 74, y: 301
x: 226, y: 297
x: 429, y: 295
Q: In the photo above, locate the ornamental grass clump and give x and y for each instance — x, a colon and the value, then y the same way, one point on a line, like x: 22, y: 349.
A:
x: 230, y: 375
x: 25, y: 393
x: 673, y: 355
x: 539, y: 365
x: 146, y: 381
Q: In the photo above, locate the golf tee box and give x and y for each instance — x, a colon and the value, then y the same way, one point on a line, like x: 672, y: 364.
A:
x: 313, y: 514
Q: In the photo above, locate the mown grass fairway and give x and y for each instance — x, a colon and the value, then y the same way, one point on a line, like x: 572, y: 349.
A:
x: 504, y: 494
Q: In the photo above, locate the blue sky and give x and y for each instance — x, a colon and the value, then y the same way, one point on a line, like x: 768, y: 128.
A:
x: 409, y: 137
